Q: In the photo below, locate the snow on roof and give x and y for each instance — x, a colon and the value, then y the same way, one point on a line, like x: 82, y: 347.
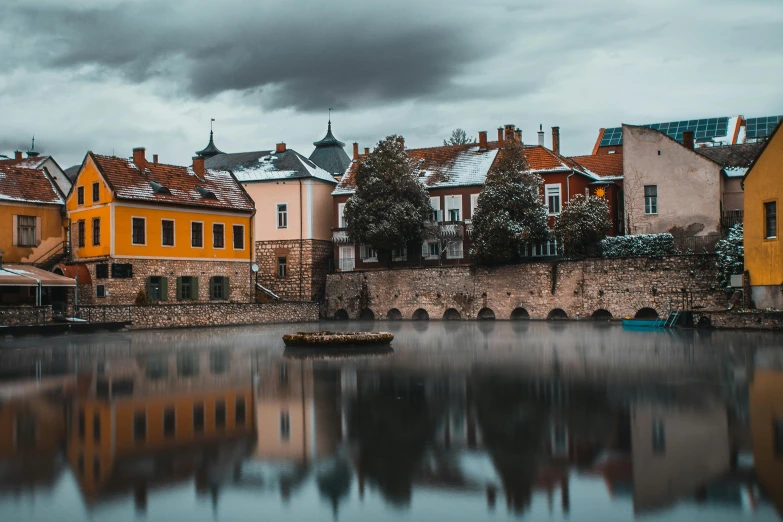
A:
x: 27, y: 185
x: 269, y: 165
x: 735, y: 172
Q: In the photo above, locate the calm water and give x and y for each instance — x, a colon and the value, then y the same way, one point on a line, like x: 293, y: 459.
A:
x: 462, y: 421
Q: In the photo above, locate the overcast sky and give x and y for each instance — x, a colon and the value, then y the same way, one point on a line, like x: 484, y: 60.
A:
x: 109, y: 75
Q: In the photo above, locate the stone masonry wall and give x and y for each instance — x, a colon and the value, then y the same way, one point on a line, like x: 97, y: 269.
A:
x: 620, y: 286
x: 304, y: 281
x: 204, y: 314
x: 21, y: 315
x: 124, y: 291
x: 746, y: 319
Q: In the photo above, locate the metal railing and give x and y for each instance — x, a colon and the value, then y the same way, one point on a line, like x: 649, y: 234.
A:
x: 57, y: 251
x: 100, y: 314
x: 729, y: 218
x: 696, y: 244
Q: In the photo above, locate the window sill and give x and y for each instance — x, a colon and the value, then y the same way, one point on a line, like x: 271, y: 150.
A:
x: 370, y: 260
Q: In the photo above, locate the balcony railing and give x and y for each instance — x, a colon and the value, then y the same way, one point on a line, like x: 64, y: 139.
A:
x: 447, y: 230
x: 729, y: 218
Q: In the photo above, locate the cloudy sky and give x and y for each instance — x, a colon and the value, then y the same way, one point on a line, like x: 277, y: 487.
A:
x: 108, y: 75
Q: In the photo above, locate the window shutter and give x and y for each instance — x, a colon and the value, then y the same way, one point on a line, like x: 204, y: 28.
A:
x: 37, y: 230
x: 15, y: 230
x: 226, y: 288
x: 179, y: 288
x: 164, y: 288
x: 149, y: 287
x: 194, y: 287
x: 362, y: 252
x: 473, y: 204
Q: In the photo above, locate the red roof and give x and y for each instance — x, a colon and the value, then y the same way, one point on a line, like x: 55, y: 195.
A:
x: 27, y: 163
x: 602, y: 165
x: 184, y: 187
x: 27, y: 185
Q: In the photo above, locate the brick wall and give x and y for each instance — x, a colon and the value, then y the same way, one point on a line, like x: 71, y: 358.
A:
x: 305, y: 277
x: 620, y: 286
x: 204, y: 314
x: 124, y: 291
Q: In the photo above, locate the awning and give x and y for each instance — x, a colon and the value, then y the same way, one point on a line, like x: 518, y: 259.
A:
x: 24, y: 275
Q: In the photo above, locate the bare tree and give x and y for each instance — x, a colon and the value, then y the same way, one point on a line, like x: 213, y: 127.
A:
x: 458, y: 137
x: 444, y: 235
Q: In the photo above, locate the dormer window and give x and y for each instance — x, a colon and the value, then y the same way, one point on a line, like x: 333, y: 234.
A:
x: 157, y: 188
x: 206, y: 194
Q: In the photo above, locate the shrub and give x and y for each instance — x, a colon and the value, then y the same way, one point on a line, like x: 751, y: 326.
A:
x: 639, y: 245
x: 731, y: 255
x: 141, y: 298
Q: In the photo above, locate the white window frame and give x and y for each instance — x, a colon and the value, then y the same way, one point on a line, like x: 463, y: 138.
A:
x: 278, y: 213
x: 426, y: 250
x: 473, y: 204
x: 213, y: 236
x: 452, y: 253
x: 549, y: 190
x: 244, y: 242
x: 435, y: 206
x: 364, y: 251
x: 191, y: 234
x: 453, y: 202
x: 341, y: 221
x: 647, y: 207
x: 347, y: 266
x: 173, y: 233
x: 35, y: 230
x: 145, y: 231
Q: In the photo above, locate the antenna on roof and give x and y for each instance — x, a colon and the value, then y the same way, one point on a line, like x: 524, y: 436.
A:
x: 210, y: 124
x: 330, y: 115
x: 32, y: 152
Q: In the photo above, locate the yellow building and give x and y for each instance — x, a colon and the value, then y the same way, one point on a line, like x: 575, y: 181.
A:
x: 763, y: 185
x: 766, y: 427
x: 179, y: 233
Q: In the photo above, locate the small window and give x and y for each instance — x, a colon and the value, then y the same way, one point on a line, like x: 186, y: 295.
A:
x: 197, y: 234
x: 285, y: 426
x: 240, y: 412
x: 198, y: 418
x: 433, y: 250
x: 140, y: 426
x: 368, y: 253
x: 218, y: 240
x: 220, y: 415
x: 100, y: 291
x: 187, y: 288
x: 82, y: 424
x: 651, y: 199
x: 169, y: 422
x: 96, y: 231
x: 102, y: 271
x: 80, y: 195
x: 770, y: 220
x: 167, y: 232
x: 400, y: 254
x: 219, y: 361
x: 121, y: 270
x: 341, y: 221
x: 139, y: 232
x: 96, y: 192
x: 25, y: 229
x: 96, y: 428
x: 80, y: 233
x: 658, y: 437
x: 239, y: 237
x: 218, y: 288
x: 282, y: 215
x: 282, y: 267
x: 553, y: 201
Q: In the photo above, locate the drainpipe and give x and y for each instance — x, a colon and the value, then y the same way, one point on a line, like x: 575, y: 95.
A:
x: 568, y: 186
x: 301, y: 237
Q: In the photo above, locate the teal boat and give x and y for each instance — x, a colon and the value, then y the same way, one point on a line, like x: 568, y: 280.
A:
x: 644, y: 324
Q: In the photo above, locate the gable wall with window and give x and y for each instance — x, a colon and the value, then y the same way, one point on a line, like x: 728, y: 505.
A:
x: 48, y: 230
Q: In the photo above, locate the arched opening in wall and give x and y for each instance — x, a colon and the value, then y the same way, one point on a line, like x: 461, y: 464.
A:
x: 421, y: 315
x: 366, y: 315
x: 558, y: 314
x: 394, y: 315
x: 704, y: 322
x: 646, y: 313
x: 519, y: 314
x: 601, y: 315
x: 486, y: 314
x: 341, y: 315
x: 452, y: 314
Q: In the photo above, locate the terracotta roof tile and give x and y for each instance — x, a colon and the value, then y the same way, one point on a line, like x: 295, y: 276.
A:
x: 27, y: 185
x: 602, y: 165
x: 128, y: 182
x: 25, y: 163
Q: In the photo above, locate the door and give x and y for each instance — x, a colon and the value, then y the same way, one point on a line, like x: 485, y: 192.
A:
x: 347, y: 258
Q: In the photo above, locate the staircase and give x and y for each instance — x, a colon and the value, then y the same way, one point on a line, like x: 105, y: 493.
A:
x: 51, y: 257
x: 671, y: 321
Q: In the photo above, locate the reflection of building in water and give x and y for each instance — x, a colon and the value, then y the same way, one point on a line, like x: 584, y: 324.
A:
x: 676, y: 452
x: 32, y: 430
x: 766, y: 426
x: 157, y: 419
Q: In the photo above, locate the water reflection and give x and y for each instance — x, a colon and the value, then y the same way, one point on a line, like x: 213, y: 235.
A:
x: 490, y: 419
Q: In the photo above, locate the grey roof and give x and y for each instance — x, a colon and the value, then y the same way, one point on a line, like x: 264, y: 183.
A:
x: 72, y: 172
x: 210, y: 150
x: 329, y: 154
x: 741, y: 155
x: 265, y: 165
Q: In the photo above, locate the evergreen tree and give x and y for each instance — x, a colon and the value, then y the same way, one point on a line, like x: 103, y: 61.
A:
x: 390, y: 205
x: 511, y: 212
x: 458, y: 137
x: 731, y: 255
x: 583, y: 222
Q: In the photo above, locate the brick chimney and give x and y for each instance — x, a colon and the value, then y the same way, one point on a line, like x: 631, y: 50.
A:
x: 509, y: 130
x: 556, y: 140
x: 139, y: 159
x: 355, y: 150
x: 482, y: 140
x: 17, y: 154
x: 198, y: 166
x: 518, y: 135
x: 541, y: 135
x: 687, y: 139
x: 500, y: 134
x: 401, y: 141
x: 154, y: 158
x: 366, y: 150
x: 280, y: 147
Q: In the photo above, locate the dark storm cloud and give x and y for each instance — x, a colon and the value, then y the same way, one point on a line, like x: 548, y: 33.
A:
x: 308, y: 57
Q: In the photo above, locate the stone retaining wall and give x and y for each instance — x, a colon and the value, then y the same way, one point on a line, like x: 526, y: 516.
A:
x: 23, y: 315
x: 619, y: 286
x: 748, y: 320
x: 203, y: 314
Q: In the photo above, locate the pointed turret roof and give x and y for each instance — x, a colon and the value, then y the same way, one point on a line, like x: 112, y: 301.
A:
x: 32, y: 153
x: 329, y: 154
x: 210, y: 150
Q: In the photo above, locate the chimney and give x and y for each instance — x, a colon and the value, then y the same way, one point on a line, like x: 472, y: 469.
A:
x: 17, y: 154
x: 355, y: 151
x: 154, y: 158
x: 139, y: 159
x: 687, y: 139
x: 541, y: 135
x: 280, y: 147
x: 401, y: 141
x: 366, y: 151
x: 500, y: 134
x: 482, y: 140
x: 198, y: 166
x: 510, y: 132
x: 518, y: 135
x: 556, y: 140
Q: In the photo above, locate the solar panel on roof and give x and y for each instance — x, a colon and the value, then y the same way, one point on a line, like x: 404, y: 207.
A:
x: 761, y: 127
x: 706, y: 129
